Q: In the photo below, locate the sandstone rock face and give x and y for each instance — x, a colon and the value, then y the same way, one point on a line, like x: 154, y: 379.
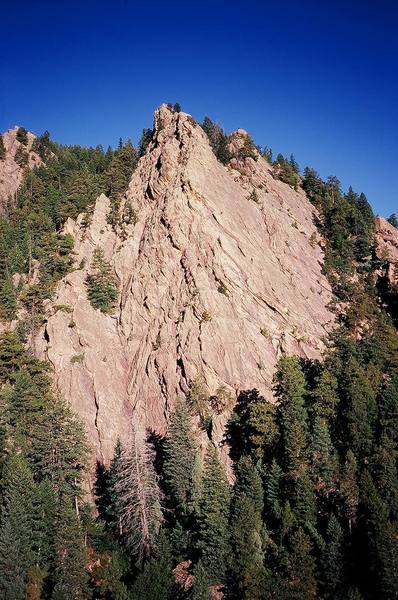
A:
x: 386, y: 240
x: 213, y: 284
x: 11, y: 174
x: 387, y: 248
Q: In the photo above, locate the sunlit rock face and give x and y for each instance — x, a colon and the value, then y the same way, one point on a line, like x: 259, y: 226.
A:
x: 11, y: 173
x: 213, y: 285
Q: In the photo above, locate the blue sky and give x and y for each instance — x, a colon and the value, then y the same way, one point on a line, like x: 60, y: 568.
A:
x: 316, y: 78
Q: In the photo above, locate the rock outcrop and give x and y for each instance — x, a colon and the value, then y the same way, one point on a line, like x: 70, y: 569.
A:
x: 11, y: 173
x: 215, y: 283
x: 387, y: 245
x: 386, y: 276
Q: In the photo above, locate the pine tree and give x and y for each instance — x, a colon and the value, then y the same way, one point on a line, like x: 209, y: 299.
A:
x: 45, y: 506
x: 388, y: 407
x: 22, y: 135
x: 213, y: 534
x: 294, y: 164
x: 349, y: 488
x: 333, y: 559
x: 146, y: 139
x: 382, y: 539
x: 201, y: 586
x: 156, y: 579
x: 247, y: 564
x: 304, y: 502
x: 323, y: 460
x: 302, y: 582
x: 325, y: 395
x: 180, y: 452
x: 16, y: 528
x: 121, y: 169
x: 290, y: 389
x: 392, y: 219
x: 71, y: 578
x: 101, y: 283
x: 8, y: 301
x: 360, y: 409
x: 273, y: 493
x: 138, y: 496
x: 218, y: 140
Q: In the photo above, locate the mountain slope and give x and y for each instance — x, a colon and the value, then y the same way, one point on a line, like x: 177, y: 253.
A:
x: 11, y: 173
x: 213, y: 287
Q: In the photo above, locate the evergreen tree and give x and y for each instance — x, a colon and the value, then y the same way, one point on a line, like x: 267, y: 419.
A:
x: 180, y: 452
x: 71, y: 578
x: 247, y: 565
x: 325, y: 394
x: 273, y: 492
x: 294, y: 164
x: 45, y: 506
x: 333, y: 559
x: 146, y: 139
x: 323, y: 460
x: 16, y: 528
x: 156, y: 579
x: 349, y: 488
x: 302, y: 581
x: 22, y: 135
x: 218, y: 140
x: 213, y: 534
x: 304, y: 509
x: 290, y: 389
x: 253, y: 427
x: 201, y: 586
x: 361, y: 409
x: 121, y: 169
x: 382, y: 539
x: 8, y: 301
x: 392, y: 219
x: 101, y: 284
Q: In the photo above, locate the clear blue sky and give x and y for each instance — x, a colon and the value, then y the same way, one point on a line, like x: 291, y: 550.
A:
x: 316, y: 78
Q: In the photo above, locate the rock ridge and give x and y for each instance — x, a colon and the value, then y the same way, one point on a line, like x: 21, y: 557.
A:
x: 213, y: 286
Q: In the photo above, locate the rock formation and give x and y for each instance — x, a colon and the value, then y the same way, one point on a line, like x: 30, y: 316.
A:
x: 11, y: 173
x: 387, y: 246
x: 215, y: 282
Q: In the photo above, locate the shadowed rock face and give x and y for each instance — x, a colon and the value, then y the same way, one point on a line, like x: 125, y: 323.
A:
x: 11, y: 174
x: 212, y: 284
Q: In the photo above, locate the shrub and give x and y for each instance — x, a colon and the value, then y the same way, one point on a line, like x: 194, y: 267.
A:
x: 222, y: 289
x: 77, y: 359
x: 254, y: 197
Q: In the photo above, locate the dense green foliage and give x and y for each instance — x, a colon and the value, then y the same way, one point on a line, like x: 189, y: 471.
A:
x: 287, y: 170
x: 392, y: 219
x: 31, y: 241
x: 42, y: 458
x: 218, y: 140
x: 101, y: 283
x: 311, y: 509
x: 22, y: 135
